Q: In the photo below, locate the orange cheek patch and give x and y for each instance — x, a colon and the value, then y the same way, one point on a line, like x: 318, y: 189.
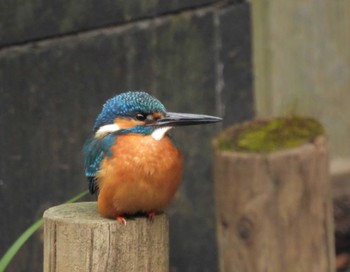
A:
x: 125, y: 123
x: 157, y: 115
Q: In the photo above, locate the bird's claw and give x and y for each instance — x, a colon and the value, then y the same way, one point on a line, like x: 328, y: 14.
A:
x: 121, y: 219
x: 151, y: 215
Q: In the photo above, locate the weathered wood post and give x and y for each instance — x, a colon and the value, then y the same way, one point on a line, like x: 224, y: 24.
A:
x: 273, y: 209
x: 76, y: 238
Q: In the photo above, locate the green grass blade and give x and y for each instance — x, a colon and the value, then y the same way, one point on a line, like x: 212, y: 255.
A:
x: 77, y: 197
x: 16, y: 246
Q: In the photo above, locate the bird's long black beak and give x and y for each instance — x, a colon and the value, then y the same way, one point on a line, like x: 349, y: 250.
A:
x: 173, y: 119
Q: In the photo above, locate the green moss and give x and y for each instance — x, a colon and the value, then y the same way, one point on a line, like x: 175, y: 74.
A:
x: 269, y: 136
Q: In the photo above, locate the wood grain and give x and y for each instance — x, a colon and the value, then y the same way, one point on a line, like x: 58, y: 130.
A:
x: 76, y: 238
x: 274, y: 210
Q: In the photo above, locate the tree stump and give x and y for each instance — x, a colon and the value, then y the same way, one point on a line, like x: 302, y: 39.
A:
x: 77, y: 238
x: 274, y: 210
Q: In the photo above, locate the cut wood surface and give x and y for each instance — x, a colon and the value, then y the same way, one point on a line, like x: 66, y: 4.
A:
x: 77, y: 238
x: 274, y: 210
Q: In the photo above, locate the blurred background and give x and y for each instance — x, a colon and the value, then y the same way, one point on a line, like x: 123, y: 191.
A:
x: 60, y: 61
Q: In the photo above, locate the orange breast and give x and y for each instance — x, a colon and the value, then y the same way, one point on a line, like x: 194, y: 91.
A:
x: 142, y: 175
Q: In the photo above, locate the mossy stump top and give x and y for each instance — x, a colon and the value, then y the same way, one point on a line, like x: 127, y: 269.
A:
x: 264, y: 136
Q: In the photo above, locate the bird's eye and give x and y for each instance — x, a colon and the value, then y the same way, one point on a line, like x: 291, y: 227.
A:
x: 141, y: 116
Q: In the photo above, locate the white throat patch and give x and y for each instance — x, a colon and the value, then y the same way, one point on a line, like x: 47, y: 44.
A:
x: 159, y: 133
x: 106, y: 129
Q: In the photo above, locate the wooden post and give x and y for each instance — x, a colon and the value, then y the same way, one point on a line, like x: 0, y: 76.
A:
x: 274, y: 210
x: 77, y: 239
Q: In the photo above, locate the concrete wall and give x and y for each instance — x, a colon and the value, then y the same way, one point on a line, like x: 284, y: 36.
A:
x: 302, y: 57
x: 60, y: 60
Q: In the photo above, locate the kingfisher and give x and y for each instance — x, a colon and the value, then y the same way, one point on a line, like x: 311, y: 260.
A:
x: 131, y: 161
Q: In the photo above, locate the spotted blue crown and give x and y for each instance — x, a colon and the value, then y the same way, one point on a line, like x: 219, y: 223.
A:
x: 127, y: 105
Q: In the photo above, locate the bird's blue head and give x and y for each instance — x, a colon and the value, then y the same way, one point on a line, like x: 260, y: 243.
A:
x: 129, y: 109
x: 139, y: 112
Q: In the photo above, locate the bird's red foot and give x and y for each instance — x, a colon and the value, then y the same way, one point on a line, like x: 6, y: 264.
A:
x: 151, y: 215
x: 121, y: 219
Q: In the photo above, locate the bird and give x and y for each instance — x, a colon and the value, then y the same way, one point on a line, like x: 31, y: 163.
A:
x: 131, y: 161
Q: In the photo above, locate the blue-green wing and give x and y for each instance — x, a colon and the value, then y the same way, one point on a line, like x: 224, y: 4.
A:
x: 95, y: 150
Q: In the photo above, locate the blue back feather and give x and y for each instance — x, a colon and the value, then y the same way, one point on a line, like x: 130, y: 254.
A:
x: 95, y: 149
